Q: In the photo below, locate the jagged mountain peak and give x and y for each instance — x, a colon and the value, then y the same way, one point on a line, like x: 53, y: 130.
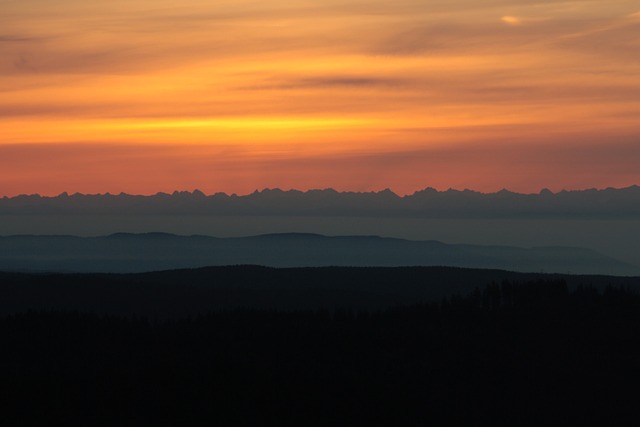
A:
x: 429, y: 202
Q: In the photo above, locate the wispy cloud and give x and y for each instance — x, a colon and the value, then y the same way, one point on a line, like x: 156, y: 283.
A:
x: 331, y: 81
x: 9, y: 38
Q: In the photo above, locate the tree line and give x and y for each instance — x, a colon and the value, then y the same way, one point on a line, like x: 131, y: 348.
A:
x: 531, y: 353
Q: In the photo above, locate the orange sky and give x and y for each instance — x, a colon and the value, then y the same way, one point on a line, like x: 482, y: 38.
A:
x: 231, y: 96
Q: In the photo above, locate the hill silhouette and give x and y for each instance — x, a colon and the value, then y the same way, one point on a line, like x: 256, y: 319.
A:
x: 125, y: 252
x: 181, y: 293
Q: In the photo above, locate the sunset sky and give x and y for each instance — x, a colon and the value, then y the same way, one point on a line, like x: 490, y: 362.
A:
x: 233, y: 95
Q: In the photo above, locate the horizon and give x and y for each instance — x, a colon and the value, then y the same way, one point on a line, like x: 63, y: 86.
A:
x: 309, y: 190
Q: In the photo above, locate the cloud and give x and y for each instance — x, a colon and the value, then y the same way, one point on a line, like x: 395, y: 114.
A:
x: 617, y: 40
x: 475, y: 38
x: 511, y: 20
x: 331, y: 81
x: 449, y: 64
x: 346, y: 81
x: 9, y: 38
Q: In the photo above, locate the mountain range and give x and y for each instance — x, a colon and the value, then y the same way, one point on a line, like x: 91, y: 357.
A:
x: 124, y: 252
x: 605, y: 203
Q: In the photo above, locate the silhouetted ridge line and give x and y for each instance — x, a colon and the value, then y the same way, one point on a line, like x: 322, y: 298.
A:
x: 293, y: 235
x: 610, y: 202
x: 185, y: 292
x: 128, y: 252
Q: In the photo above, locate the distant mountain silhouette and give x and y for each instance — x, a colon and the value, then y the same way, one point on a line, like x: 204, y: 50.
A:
x: 610, y: 202
x: 124, y: 252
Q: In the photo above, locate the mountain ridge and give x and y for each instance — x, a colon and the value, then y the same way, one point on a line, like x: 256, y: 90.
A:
x: 429, y: 202
x: 130, y: 252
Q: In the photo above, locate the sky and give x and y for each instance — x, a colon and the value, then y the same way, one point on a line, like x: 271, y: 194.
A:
x: 236, y: 95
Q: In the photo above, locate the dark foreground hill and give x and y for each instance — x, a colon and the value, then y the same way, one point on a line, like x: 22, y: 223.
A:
x: 122, y: 252
x: 534, y: 352
x: 181, y: 293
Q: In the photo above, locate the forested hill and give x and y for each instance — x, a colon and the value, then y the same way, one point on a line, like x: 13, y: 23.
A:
x: 526, y: 354
x: 179, y: 293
